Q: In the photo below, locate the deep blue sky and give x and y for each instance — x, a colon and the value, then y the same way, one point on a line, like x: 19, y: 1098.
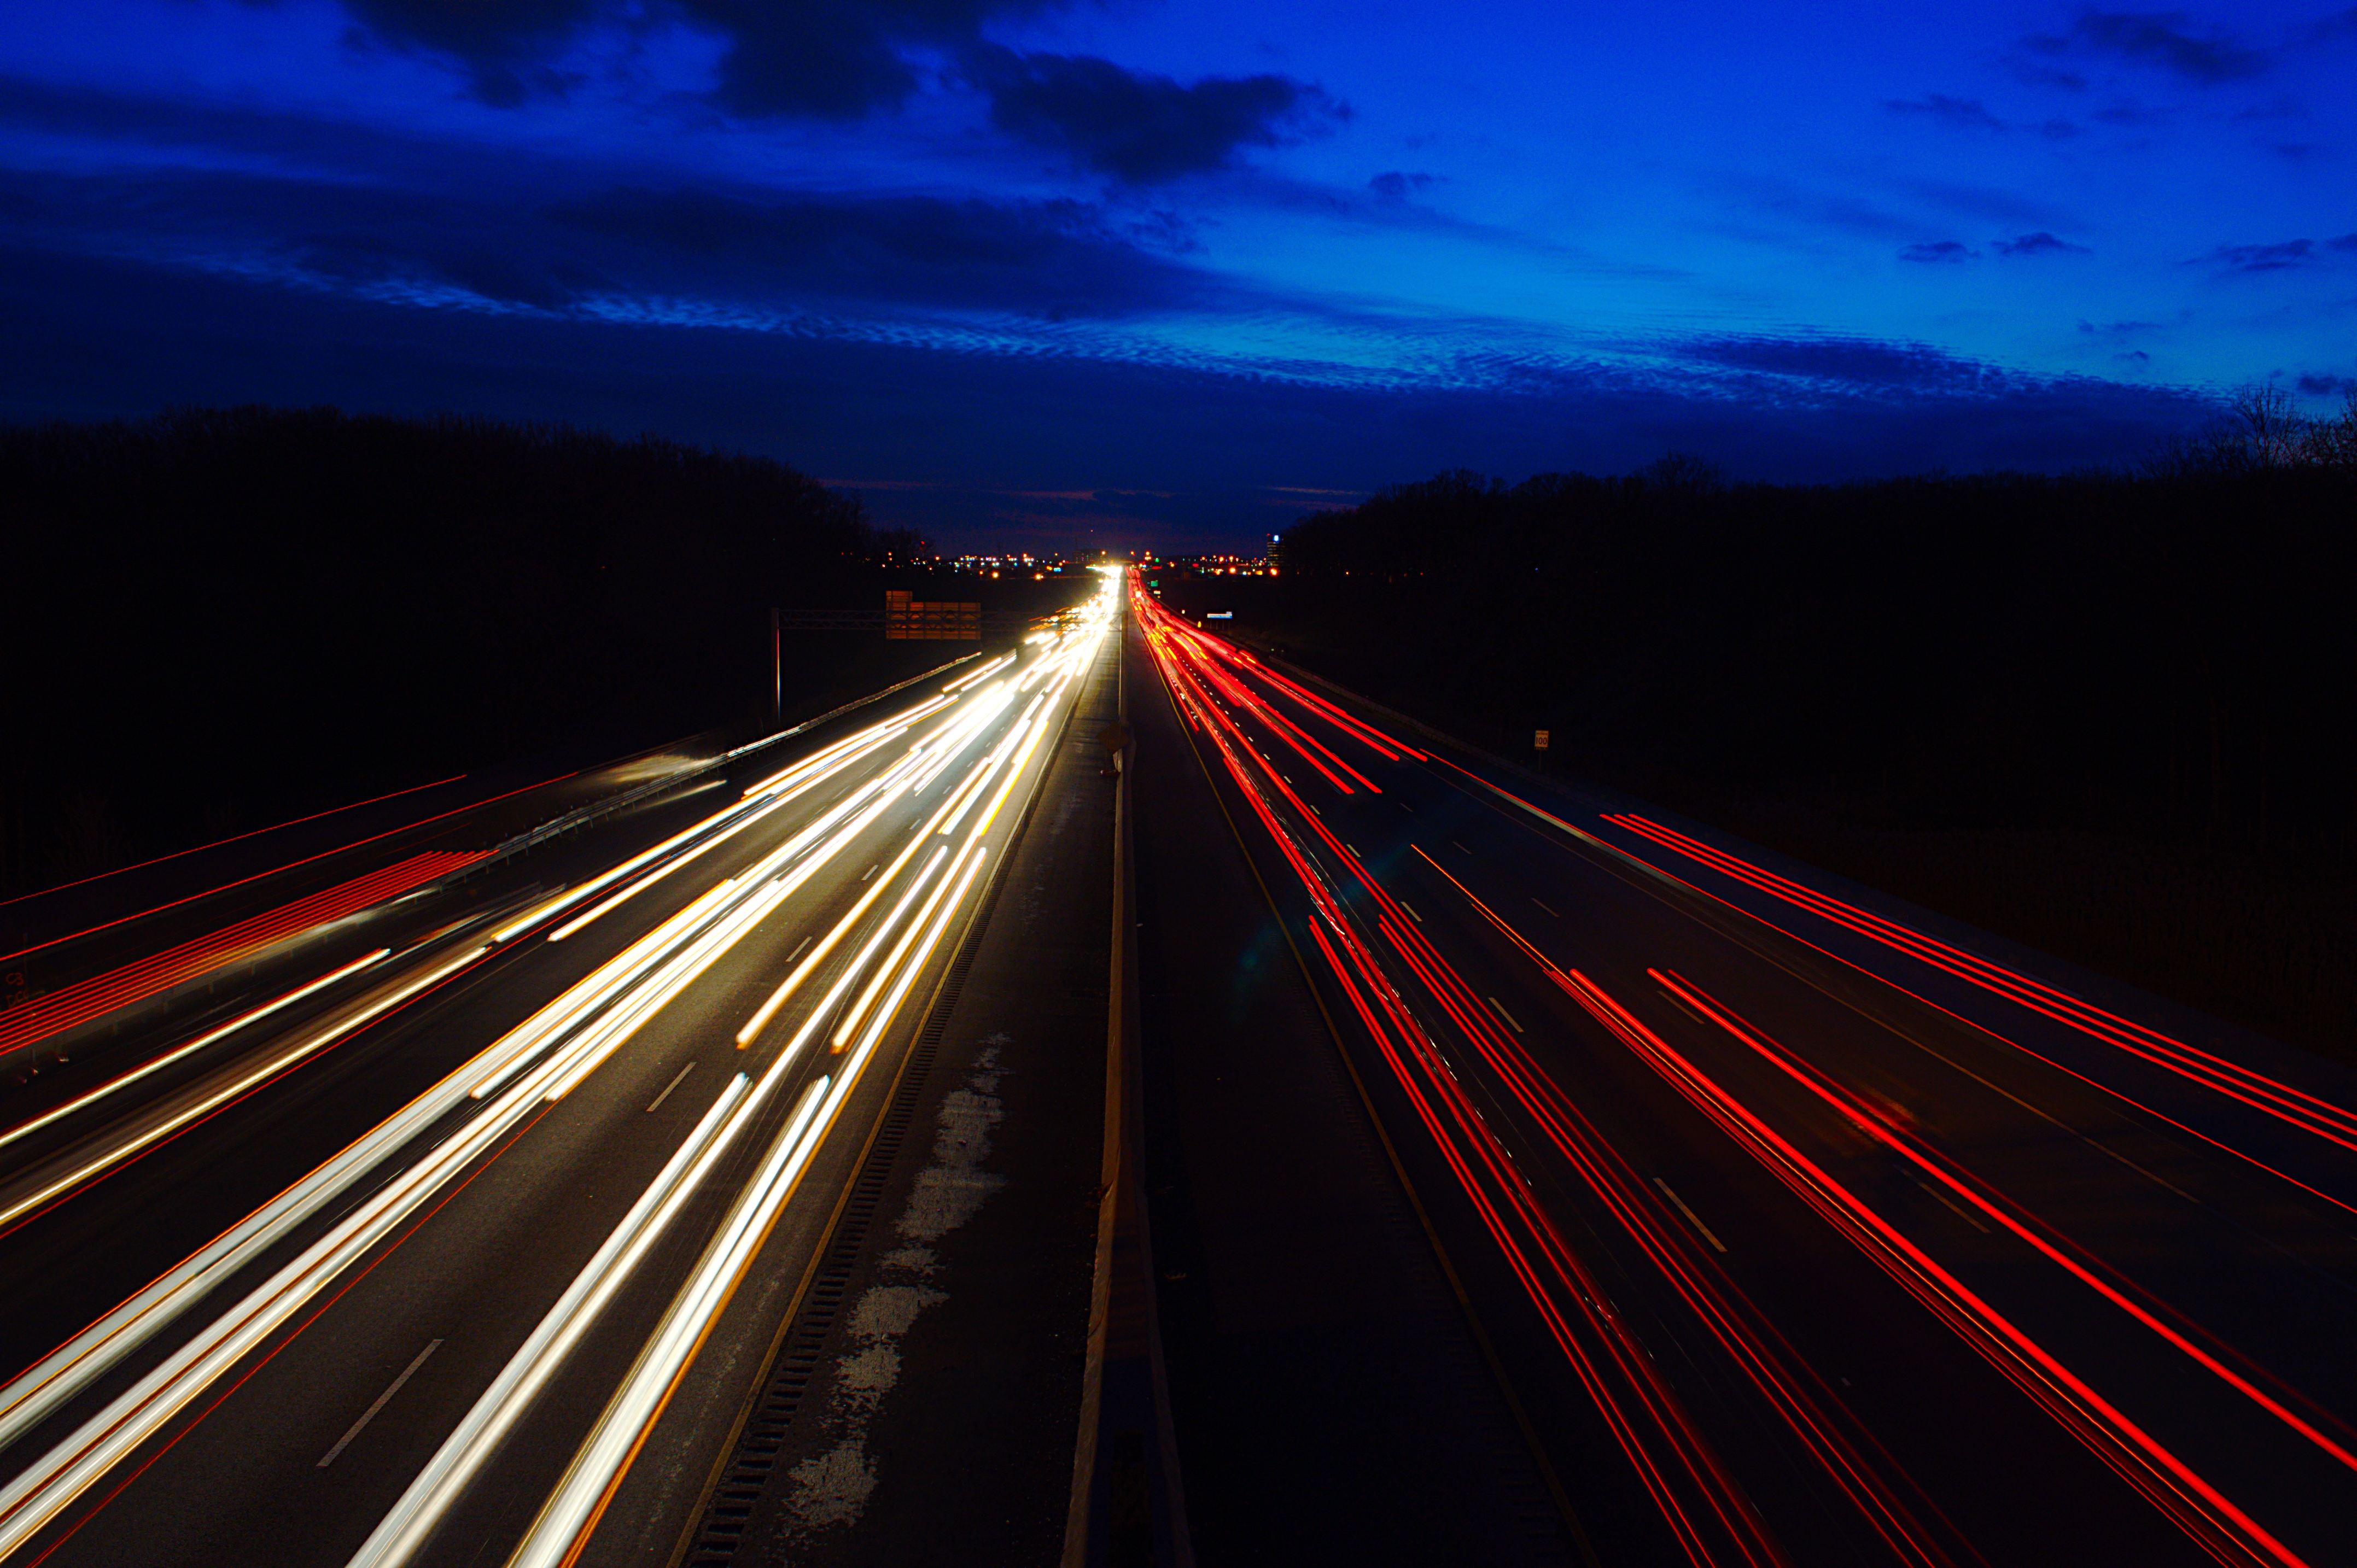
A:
x: 1021, y: 271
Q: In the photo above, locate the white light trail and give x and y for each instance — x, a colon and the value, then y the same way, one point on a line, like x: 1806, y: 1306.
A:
x: 412, y: 1518
x: 199, y: 1043
x: 45, y: 1186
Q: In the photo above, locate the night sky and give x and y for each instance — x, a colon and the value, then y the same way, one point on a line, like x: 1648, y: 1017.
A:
x: 1023, y: 272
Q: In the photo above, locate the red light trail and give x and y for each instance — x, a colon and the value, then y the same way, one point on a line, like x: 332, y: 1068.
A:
x: 1700, y: 1501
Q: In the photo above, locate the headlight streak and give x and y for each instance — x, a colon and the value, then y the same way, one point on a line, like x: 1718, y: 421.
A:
x: 877, y: 938
x: 941, y: 751
x: 865, y: 740
x: 885, y: 970
x: 631, y: 973
x: 745, y: 819
x: 984, y: 673
x: 37, y: 1493
x: 199, y: 1043
x: 412, y: 1518
x: 794, y: 781
x: 557, y: 1534
x: 47, y: 1187
x: 2210, y: 1519
x: 34, y: 1394
x: 590, y: 1480
x: 507, y: 1055
x: 48, y: 1486
x: 1007, y: 748
x: 843, y: 927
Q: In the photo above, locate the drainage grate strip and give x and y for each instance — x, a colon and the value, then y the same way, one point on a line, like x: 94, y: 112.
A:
x: 729, y: 1511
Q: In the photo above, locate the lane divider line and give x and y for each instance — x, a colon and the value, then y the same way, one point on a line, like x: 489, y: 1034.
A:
x: 382, y: 1400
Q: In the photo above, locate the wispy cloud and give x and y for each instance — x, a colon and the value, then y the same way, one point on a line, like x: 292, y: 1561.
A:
x: 2040, y: 244
x: 2163, y: 40
x: 2280, y: 256
x: 1939, y: 250
x: 1962, y: 113
x: 1141, y: 127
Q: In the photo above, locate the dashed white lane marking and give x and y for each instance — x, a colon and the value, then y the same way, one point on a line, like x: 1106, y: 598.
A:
x: 1460, y: 848
x: 369, y: 1415
x: 1543, y: 906
x: 1959, y: 1213
x: 1509, y: 1017
x: 1411, y: 911
x: 798, y: 949
x: 1689, y: 1213
x: 869, y: 872
x: 669, y: 1087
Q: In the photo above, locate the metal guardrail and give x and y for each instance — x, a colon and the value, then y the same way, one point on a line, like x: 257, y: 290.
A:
x: 582, y: 816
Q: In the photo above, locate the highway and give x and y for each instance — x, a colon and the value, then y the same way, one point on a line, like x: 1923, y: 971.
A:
x: 443, y: 1254
x: 1805, y: 1233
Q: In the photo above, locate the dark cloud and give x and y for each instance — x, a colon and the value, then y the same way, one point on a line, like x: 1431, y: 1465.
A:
x: 2159, y: 38
x: 1397, y: 186
x: 838, y: 59
x: 102, y: 337
x: 1939, y: 250
x: 2059, y: 130
x: 503, y: 44
x: 1851, y: 364
x: 391, y: 224
x: 2343, y: 242
x: 2040, y: 244
x: 2333, y: 29
x: 1049, y: 258
x: 2039, y: 74
x: 1991, y: 204
x: 1809, y: 204
x: 1140, y: 127
x: 2133, y: 356
x: 2326, y: 386
x: 2120, y: 328
x: 2275, y: 257
x: 1963, y: 114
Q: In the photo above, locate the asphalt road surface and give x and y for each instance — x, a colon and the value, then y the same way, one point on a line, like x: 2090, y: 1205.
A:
x: 1807, y: 1229
x: 1534, y: 1177
x: 425, y: 1265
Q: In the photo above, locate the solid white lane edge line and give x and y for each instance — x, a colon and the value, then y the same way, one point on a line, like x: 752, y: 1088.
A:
x: 369, y: 1415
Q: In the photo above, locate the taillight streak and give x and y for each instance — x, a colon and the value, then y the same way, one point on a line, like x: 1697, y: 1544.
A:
x: 2205, y: 1513
x: 1673, y: 1460
x: 2310, y: 1113
x: 2004, y: 1214
x: 2092, y: 1082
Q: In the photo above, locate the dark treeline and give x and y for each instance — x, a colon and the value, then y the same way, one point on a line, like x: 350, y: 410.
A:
x: 218, y: 618
x: 2107, y: 715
